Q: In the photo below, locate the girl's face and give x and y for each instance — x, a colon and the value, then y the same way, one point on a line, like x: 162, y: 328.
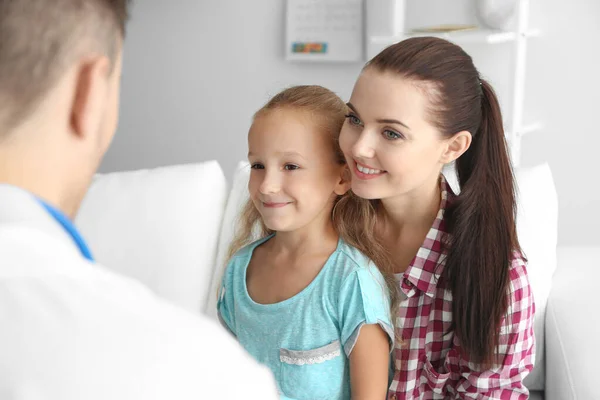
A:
x: 389, y: 144
x: 295, y: 175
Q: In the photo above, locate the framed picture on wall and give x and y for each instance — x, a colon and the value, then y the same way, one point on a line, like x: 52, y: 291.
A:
x: 324, y: 30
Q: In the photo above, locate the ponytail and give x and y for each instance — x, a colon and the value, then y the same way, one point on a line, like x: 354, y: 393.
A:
x: 481, y: 223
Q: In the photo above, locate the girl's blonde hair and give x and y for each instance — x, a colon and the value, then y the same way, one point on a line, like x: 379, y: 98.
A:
x: 353, y: 218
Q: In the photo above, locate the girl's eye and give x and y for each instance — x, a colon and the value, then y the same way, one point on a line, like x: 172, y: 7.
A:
x: 257, y: 166
x: 291, y: 167
x: 354, y: 120
x: 391, y: 135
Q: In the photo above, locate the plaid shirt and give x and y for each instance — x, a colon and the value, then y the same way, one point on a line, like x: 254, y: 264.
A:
x: 429, y: 365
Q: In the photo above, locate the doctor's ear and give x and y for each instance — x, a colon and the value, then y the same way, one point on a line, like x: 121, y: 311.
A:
x: 92, y: 85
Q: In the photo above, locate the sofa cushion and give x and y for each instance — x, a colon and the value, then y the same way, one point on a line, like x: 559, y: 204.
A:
x: 238, y: 195
x: 537, y: 227
x: 159, y: 226
x: 572, y: 325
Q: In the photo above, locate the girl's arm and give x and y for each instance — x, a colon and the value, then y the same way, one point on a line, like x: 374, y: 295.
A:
x: 369, y: 364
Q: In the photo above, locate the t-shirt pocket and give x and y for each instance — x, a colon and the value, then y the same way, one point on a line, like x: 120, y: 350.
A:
x: 313, y: 374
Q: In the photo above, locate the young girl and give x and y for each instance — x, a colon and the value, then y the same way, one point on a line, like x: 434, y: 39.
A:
x: 467, y: 321
x: 301, y: 300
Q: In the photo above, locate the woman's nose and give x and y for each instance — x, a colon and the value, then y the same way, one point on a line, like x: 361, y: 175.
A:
x: 364, y: 147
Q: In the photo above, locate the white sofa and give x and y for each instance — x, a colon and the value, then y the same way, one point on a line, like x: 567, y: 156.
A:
x: 170, y: 227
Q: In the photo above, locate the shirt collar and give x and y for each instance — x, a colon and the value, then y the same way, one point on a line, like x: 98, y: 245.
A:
x: 68, y: 226
x: 426, y: 267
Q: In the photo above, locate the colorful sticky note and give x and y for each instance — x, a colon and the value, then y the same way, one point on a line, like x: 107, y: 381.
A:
x: 299, y: 47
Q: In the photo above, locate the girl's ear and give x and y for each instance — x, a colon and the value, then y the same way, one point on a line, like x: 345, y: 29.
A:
x: 344, y: 183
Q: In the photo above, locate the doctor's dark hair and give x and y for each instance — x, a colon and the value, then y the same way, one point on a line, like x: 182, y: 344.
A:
x: 482, y: 219
x: 40, y: 38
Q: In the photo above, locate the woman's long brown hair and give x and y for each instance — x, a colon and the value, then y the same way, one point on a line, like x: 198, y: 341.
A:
x: 481, y: 220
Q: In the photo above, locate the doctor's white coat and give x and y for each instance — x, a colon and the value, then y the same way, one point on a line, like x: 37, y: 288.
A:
x: 72, y: 330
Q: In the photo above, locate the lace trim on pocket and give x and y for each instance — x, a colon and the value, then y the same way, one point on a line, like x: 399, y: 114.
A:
x: 308, y: 357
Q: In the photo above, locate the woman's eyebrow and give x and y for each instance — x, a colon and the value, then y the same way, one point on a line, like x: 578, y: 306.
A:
x: 381, y: 121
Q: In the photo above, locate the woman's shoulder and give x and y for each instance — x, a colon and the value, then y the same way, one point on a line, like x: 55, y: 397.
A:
x: 519, y: 288
x: 519, y: 279
x: 518, y: 264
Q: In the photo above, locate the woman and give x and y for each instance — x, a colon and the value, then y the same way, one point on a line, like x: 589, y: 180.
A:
x: 465, y: 319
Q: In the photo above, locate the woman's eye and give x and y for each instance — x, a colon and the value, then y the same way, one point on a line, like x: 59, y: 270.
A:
x: 354, y: 120
x: 257, y: 166
x: 391, y: 135
x: 290, y: 167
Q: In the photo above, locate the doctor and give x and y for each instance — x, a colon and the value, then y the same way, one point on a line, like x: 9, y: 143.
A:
x: 70, y: 329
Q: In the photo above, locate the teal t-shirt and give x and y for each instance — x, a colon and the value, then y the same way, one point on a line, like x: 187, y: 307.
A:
x: 306, y: 340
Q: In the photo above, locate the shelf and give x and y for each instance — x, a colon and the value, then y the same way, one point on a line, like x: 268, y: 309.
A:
x: 525, y: 129
x: 485, y: 36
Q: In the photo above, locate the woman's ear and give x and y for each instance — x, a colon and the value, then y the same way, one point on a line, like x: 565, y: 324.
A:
x: 456, y: 146
x: 344, y: 183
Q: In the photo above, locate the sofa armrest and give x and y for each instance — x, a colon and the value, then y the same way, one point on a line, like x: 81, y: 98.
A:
x: 573, y: 326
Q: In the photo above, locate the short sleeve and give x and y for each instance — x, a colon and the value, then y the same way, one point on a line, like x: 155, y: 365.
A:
x: 364, y: 300
x: 225, y: 302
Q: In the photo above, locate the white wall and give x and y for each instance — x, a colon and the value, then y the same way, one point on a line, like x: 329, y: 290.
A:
x: 564, y: 92
x: 195, y: 73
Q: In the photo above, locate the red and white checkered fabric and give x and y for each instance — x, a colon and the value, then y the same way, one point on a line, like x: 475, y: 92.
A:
x: 431, y: 365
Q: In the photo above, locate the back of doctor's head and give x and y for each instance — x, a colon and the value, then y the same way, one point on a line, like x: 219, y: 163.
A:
x: 40, y: 40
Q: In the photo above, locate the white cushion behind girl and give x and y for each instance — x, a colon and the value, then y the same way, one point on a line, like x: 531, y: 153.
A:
x: 159, y: 226
x: 238, y: 195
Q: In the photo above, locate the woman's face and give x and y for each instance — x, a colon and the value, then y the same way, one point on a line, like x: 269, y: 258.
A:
x: 391, y: 147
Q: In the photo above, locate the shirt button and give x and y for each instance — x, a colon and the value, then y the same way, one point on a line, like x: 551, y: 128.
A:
x: 393, y: 397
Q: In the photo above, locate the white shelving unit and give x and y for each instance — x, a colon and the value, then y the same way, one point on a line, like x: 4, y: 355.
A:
x: 515, y: 129
x: 378, y: 43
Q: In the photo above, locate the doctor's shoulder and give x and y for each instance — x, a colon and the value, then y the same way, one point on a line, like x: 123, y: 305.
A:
x: 116, y: 336
x: 200, y: 343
